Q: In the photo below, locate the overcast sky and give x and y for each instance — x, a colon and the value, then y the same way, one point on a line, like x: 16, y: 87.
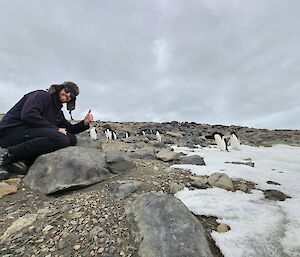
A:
x: 209, y: 61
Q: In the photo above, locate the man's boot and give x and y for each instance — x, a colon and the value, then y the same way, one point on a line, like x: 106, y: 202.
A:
x: 19, y: 167
x: 5, y: 157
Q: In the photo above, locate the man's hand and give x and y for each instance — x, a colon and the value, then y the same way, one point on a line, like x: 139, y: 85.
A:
x: 63, y: 130
x: 88, y: 118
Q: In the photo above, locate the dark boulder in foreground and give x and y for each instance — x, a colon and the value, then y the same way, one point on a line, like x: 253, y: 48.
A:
x: 166, y: 228
x: 71, y: 167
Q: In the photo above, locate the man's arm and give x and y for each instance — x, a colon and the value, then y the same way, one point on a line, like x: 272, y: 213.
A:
x: 80, y: 126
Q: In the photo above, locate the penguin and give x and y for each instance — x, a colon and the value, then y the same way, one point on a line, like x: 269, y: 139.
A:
x: 126, y: 134
x: 93, y: 134
x: 235, y: 142
x: 114, y: 135
x: 108, y: 135
x: 158, y: 136
x: 221, y: 142
x: 143, y: 132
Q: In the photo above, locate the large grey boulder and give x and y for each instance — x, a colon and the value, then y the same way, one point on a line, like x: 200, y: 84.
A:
x: 166, y: 228
x: 66, y: 168
x: 86, y: 141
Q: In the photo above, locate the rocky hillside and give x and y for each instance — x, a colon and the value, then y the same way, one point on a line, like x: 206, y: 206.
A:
x: 115, y: 198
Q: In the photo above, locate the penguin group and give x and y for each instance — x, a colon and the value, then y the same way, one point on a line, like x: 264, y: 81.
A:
x: 112, y: 135
x: 224, y: 141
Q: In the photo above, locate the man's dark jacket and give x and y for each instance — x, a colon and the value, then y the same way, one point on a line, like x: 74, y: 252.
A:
x: 39, y: 109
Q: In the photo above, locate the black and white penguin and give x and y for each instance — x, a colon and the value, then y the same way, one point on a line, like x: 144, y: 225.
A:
x: 108, y: 134
x: 114, y: 135
x: 127, y: 134
x: 221, y: 141
x: 93, y: 134
x: 158, y: 136
x: 235, y: 142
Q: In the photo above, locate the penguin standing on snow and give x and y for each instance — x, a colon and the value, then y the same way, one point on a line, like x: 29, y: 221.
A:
x: 221, y: 141
x: 93, y: 134
x: 235, y: 142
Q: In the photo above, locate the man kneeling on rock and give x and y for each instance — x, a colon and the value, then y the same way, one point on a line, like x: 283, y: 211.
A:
x: 36, y: 125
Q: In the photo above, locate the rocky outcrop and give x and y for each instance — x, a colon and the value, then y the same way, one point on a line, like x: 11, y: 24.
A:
x: 74, y: 167
x: 166, y: 228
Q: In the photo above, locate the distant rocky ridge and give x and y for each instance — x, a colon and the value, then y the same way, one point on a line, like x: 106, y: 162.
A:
x: 191, y: 133
x: 129, y: 209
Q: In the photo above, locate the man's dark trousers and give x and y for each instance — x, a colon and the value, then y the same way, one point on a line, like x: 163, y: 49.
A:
x: 27, y: 143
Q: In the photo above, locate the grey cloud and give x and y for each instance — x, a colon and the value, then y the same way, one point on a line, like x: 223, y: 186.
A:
x: 230, y: 62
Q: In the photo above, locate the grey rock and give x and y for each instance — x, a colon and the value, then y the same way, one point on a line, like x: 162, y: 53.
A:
x: 166, y: 155
x: 3, y: 174
x: 174, y: 134
x: 275, y: 195
x: 273, y: 183
x: 143, y: 154
x: 198, y: 185
x: 169, y: 142
x: 67, y: 168
x: 251, y: 164
x: 159, y: 145
x: 122, y: 189
x: 86, y: 141
x: 118, y: 162
x: 167, y: 227
x: 191, y: 159
x: 174, y: 187
x: 221, y: 180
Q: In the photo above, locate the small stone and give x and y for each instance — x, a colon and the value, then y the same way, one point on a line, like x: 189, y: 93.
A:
x: 100, y: 250
x: 222, y: 228
x: 174, y: 187
x: 76, y: 247
x: 200, y: 179
x: 47, y: 228
x: 273, y: 183
x: 155, y: 183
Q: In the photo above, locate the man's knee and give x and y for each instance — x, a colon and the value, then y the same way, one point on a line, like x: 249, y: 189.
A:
x: 73, y: 139
x: 62, y: 140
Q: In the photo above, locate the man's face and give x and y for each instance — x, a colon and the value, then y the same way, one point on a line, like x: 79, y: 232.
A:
x: 64, y: 97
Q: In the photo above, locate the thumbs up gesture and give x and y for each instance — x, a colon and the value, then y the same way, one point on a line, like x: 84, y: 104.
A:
x: 88, y: 118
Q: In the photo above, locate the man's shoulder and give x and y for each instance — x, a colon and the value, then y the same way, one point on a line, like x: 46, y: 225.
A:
x: 39, y: 93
